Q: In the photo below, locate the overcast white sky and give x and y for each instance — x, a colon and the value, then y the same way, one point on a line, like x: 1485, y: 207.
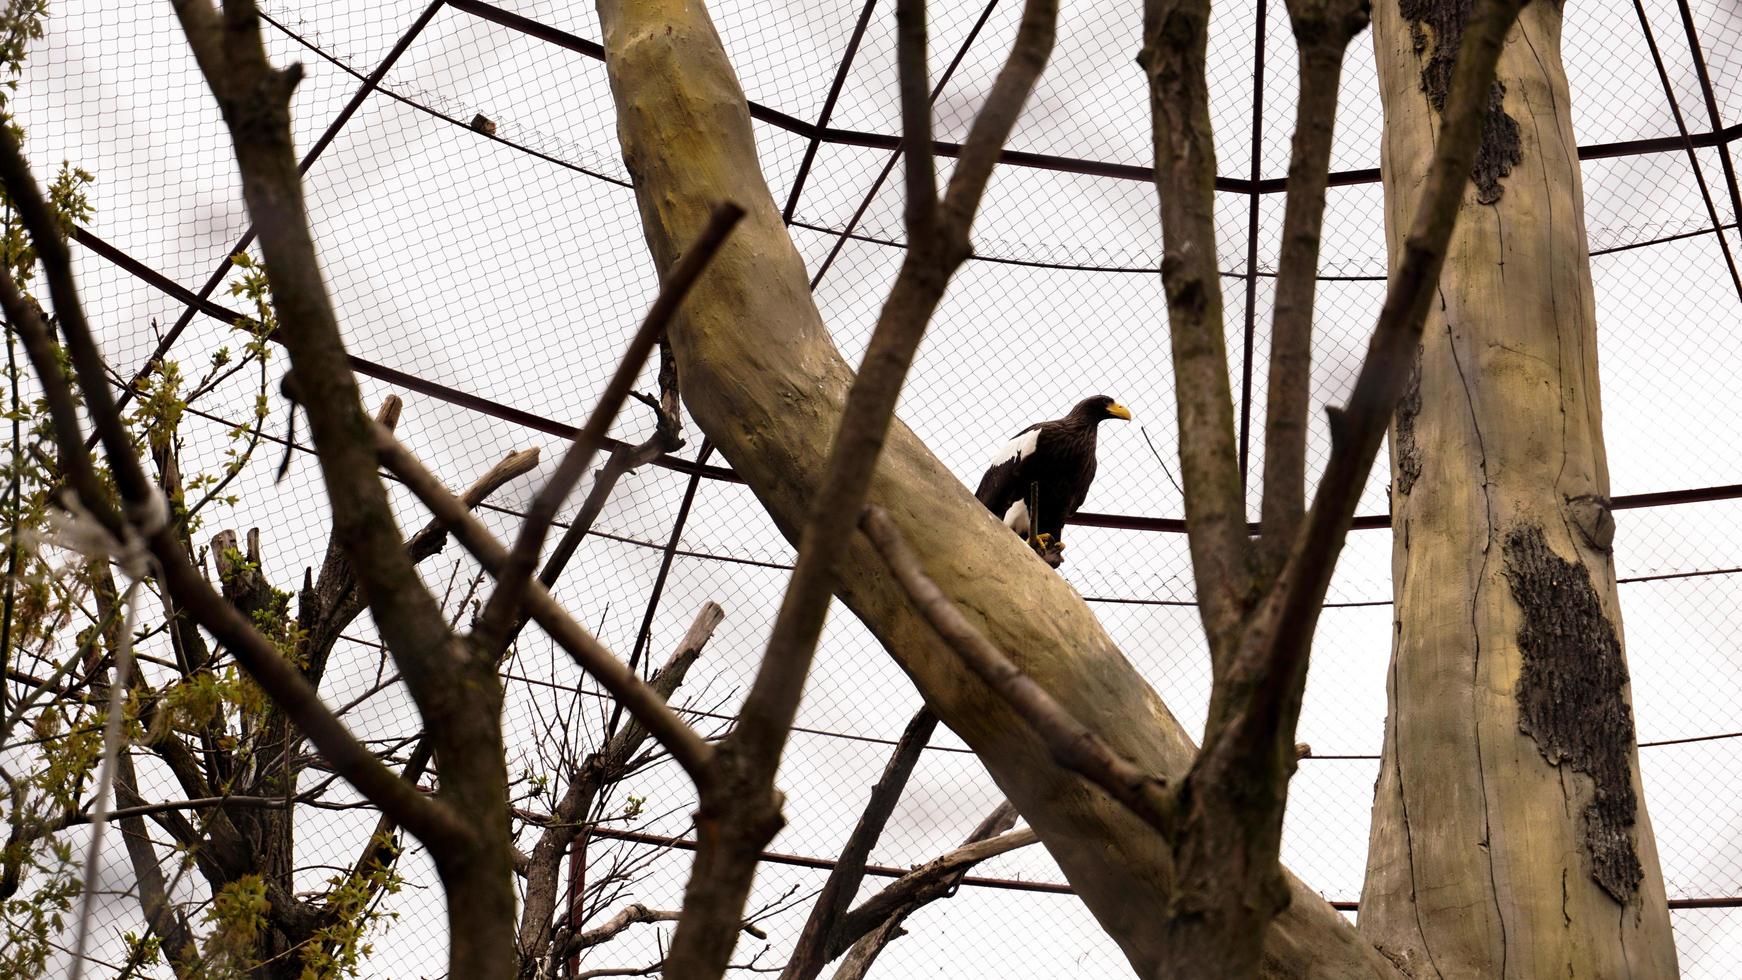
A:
x: 514, y: 270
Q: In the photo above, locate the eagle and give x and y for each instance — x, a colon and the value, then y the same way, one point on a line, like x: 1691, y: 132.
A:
x: 1047, y: 467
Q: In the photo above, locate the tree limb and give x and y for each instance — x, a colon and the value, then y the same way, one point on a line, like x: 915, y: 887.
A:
x: 1072, y: 745
x: 1175, y: 33
x: 736, y: 821
x: 666, y: 438
x: 866, y: 948
x: 255, y: 98
x: 929, y: 881
x: 452, y: 682
x: 165, y: 921
x: 913, y: 75
x: 1272, y: 660
x: 1228, y: 878
x: 1322, y: 31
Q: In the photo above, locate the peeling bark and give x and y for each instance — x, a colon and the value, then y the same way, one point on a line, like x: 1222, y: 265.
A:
x: 1571, y: 697
x: 1510, y: 837
x: 1406, y: 452
x: 1436, y: 28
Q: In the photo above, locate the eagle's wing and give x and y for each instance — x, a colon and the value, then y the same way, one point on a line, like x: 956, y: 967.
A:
x: 1005, y: 481
x: 1082, y: 493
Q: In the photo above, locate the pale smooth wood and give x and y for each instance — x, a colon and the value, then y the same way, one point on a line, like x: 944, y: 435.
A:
x: 1479, y: 866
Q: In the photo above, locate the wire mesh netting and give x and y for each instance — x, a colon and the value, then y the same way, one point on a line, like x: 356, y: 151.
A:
x: 481, y: 241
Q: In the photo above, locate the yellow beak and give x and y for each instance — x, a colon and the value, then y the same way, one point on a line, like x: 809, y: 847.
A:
x: 1119, y: 411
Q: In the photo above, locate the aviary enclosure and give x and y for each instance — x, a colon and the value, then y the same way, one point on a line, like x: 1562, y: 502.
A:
x: 497, y: 193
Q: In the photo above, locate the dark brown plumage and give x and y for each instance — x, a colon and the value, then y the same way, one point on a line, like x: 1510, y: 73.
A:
x: 1051, y: 463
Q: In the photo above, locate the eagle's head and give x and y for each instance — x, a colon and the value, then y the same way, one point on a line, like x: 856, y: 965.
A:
x: 1099, y: 409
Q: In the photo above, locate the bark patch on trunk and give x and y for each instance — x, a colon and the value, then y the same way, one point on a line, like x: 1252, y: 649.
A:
x: 1501, y: 149
x: 1570, y: 697
x: 1408, y: 450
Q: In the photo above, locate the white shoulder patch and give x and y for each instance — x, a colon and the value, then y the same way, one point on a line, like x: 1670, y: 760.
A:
x: 1022, y: 445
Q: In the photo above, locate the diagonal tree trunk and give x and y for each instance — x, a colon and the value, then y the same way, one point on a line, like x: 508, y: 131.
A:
x: 1510, y: 837
x: 766, y: 384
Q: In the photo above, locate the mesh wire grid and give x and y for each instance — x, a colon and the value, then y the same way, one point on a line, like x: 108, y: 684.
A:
x: 508, y: 267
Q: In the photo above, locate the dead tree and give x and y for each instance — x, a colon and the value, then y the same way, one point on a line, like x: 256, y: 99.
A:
x: 1509, y: 721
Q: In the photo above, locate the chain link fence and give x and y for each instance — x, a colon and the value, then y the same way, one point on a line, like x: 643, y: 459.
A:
x: 481, y: 242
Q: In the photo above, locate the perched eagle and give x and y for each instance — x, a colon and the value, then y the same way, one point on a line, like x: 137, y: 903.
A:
x: 1047, y: 466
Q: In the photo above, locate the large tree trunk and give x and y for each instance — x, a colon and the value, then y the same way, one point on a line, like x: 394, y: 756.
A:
x: 766, y: 384
x: 1509, y: 834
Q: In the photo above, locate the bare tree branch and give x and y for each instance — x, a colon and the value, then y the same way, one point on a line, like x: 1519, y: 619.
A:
x: 452, y: 681
x: 1322, y: 30
x: 913, y: 75
x: 638, y: 698
x: 152, y: 809
x: 635, y: 914
x: 866, y: 948
x: 162, y: 918
x: 1174, y: 36
x: 924, y: 883
x: 742, y: 812
x: 255, y: 98
x: 445, y: 682
x: 666, y: 438
x: 864, y: 953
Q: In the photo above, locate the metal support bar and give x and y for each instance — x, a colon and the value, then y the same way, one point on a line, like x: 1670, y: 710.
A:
x: 895, y: 156
x: 1687, y: 142
x: 1046, y: 161
x: 816, y: 140
x: 1711, y: 99
x: 1252, y: 247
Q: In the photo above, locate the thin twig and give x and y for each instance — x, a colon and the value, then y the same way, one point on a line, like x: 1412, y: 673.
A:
x: 1165, y: 469
x: 500, y: 611
x: 688, y: 748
